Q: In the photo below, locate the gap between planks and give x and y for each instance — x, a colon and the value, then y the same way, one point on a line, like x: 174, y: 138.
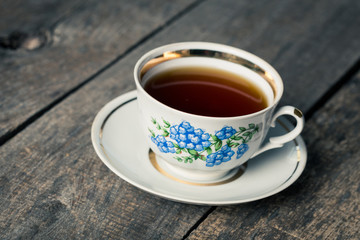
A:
x: 345, y: 78
x: 12, y: 133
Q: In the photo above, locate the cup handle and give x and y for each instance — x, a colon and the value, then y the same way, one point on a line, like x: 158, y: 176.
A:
x: 276, y: 142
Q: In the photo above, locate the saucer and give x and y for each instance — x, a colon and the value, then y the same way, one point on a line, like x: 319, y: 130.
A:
x: 120, y: 143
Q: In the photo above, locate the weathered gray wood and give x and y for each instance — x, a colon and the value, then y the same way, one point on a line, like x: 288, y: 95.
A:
x: 309, y: 43
x: 31, y: 16
x: 324, y: 202
x: 53, y: 184
x: 76, y: 40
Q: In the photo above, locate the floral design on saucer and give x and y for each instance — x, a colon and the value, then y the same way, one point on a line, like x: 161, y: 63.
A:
x: 188, y: 143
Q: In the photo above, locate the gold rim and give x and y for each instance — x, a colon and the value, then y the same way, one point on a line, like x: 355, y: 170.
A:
x: 170, y: 55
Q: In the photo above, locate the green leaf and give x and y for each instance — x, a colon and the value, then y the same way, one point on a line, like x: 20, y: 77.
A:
x: 158, y: 126
x: 233, y: 145
x: 242, y: 129
x: 251, y: 125
x: 247, y: 134
x: 208, y: 150
x: 153, y: 120
x: 215, y: 138
x: 167, y: 124
x: 192, y: 152
x: 236, y: 138
x: 202, y: 157
x: 165, y: 133
x: 218, y: 145
x: 179, y: 159
x: 178, y: 151
x: 176, y: 145
x: 152, y: 132
x: 188, y: 159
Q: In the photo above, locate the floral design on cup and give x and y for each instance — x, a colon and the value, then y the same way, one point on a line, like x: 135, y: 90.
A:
x: 192, y: 143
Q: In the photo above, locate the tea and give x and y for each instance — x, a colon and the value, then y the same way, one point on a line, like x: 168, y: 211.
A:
x: 206, y: 91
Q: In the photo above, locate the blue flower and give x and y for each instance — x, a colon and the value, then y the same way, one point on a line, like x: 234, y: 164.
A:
x: 185, y: 125
x: 210, y: 157
x: 195, y: 140
x: 230, y: 153
x: 199, y: 132
x: 206, y: 144
x: 191, y: 135
x: 160, y: 138
x: 209, y: 164
x: 173, y: 130
x: 190, y: 146
x: 223, y: 155
x: 225, y: 148
x: 218, y: 162
x: 182, y: 130
x: 154, y: 140
x: 188, y: 137
x: 205, y: 136
x: 220, y: 135
x: 169, y: 144
x: 225, y: 133
x: 241, y: 150
x: 219, y: 156
x: 182, y: 144
x: 227, y: 158
x: 199, y: 148
x: 163, y: 145
x: 183, y: 137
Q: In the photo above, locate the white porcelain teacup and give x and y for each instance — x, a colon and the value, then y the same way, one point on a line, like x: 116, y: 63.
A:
x: 203, y: 148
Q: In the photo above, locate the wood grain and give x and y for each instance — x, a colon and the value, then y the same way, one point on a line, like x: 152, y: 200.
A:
x: 309, y: 44
x: 52, y: 184
x: 77, y: 39
x: 324, y: 202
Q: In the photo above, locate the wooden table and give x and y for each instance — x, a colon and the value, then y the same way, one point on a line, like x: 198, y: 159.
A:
x: 61, y: 61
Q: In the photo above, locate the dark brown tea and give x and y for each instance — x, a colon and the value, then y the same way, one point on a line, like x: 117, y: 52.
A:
x: 206, y: 91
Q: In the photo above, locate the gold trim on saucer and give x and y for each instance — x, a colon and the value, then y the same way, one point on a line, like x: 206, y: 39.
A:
x: 108, y: 116
x: 152, y: 158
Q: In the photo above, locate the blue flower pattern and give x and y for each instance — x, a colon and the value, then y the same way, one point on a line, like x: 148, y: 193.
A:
x: 241, y: 150
x: 188, y: 137
x: 216, y: 158
x: 214, y: 149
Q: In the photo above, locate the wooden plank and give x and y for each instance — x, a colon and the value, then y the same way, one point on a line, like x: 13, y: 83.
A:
x: 324, y: 202
x: 61, y: 44
x: 309, y: 43
x: 30, y: 16
x: 52, y: 182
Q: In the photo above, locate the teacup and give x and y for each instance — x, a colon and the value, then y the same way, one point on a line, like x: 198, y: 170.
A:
x: 206, y: 148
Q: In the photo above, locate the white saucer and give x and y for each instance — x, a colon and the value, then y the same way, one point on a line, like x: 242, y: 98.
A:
x: 120, y: 144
